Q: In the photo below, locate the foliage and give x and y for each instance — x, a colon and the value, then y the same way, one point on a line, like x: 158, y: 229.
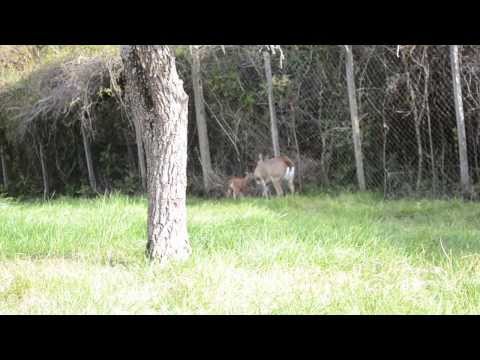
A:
x: 409, y: 141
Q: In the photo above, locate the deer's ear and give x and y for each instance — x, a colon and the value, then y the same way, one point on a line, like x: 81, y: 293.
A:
x: 260, y: 157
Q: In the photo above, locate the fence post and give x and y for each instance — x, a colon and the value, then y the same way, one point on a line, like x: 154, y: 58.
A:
x: 462, y: 140
x: 357, y: 143
x: 200, y: 117
x: 271, y: 105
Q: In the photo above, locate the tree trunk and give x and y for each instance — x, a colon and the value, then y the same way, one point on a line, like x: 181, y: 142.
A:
x: 323, y: 161
x: 131, y: 158
x: 201, y: 120
x: 432, y: 153
x: 88, y: 158
x: 476, y: 142
x: 43, y: 163
x: 4, y: 167
x: 141, y: 153
x: 271, y: 105
x: 160, y: 104
x: 417, y: 121
x: 442, y: 160
x: 462, y: 139
x: 297, y: 148
x: 418, y: 137
x: 384, y: 157
x: 352, y: 97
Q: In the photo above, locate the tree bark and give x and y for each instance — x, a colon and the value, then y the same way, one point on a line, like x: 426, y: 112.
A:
x: 324, y: 158
x: 88, y: 158
x: 352, y: 97
x: 201, y: 120
x: 462, y: 139
x: 271, y: 105
x: 297, y: 148
x: 384, y: 158
x: 476, y: 142
x: 432, y: 153
x: 418, y: 135
x: 131, y: 158
x: 160, y: 104
x: 4, y: 167
x: 43, y: 163
x: 141, y: 153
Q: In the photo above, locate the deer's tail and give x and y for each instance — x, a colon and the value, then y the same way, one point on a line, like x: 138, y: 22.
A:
x: 290, y: 173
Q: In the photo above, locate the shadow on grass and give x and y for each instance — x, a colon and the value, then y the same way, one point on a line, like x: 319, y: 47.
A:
x: 432, y: 229
x: 429, y: 229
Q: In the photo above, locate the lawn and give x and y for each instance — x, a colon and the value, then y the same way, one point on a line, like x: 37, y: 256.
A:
x: 317, y: 254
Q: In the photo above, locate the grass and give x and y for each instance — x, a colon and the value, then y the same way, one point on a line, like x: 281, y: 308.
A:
x: 317, y: 254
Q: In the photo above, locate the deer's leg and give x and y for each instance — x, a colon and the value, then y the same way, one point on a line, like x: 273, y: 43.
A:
x: 265, y: 189
x: 291, y: 186
x: 278, y: 187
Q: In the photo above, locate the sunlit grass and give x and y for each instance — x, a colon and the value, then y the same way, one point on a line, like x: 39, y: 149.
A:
x: 319, y: 254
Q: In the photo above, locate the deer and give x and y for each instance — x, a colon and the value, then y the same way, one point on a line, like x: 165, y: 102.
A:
x: 275, y: 170
x: 237, y: 186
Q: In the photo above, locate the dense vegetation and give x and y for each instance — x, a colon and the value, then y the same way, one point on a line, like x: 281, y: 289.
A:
x: 65, y: 129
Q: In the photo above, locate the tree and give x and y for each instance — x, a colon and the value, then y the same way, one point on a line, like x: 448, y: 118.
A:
x: 160, y: 104
x: 462, y: 139
x: 40, y: 149
x: 201, y: 119
x: 271, y: 105
x: 352, y: 98
x: 3, y: 164
x: 88, y: 153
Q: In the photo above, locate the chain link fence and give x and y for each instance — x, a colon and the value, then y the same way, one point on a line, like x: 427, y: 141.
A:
x: 406, y: 107
x: 405, y: 104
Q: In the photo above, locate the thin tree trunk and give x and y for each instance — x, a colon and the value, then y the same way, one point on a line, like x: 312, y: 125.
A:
x: 352, y: 97
x: 88, y: 158
x: 324, y: 161
x: 384, y: 158
x: 442, y: 160
x: 462, y: 138
x: 477, y: 168
x: 43, y: 163
x: 418, y: 135
x: 271, y: 105
x: 200, y: 117
x: 4, y: 167
x: 155, y: 91
x: 429, y: 125
x: 297, y: 148
x: 432, y: 153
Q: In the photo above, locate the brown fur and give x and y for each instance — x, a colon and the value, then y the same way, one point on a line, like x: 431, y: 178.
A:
x: 287, y: 161
x: 237, y: 186
x: 275, y: 170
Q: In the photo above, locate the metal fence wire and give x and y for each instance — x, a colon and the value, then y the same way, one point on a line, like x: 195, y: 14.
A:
x: 405, y: 104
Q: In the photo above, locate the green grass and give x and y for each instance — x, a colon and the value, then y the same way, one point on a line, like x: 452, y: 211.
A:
x: 317, y: 254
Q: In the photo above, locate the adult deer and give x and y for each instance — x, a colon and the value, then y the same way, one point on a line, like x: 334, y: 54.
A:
x: 275, y: 170
x: 237, y: 186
